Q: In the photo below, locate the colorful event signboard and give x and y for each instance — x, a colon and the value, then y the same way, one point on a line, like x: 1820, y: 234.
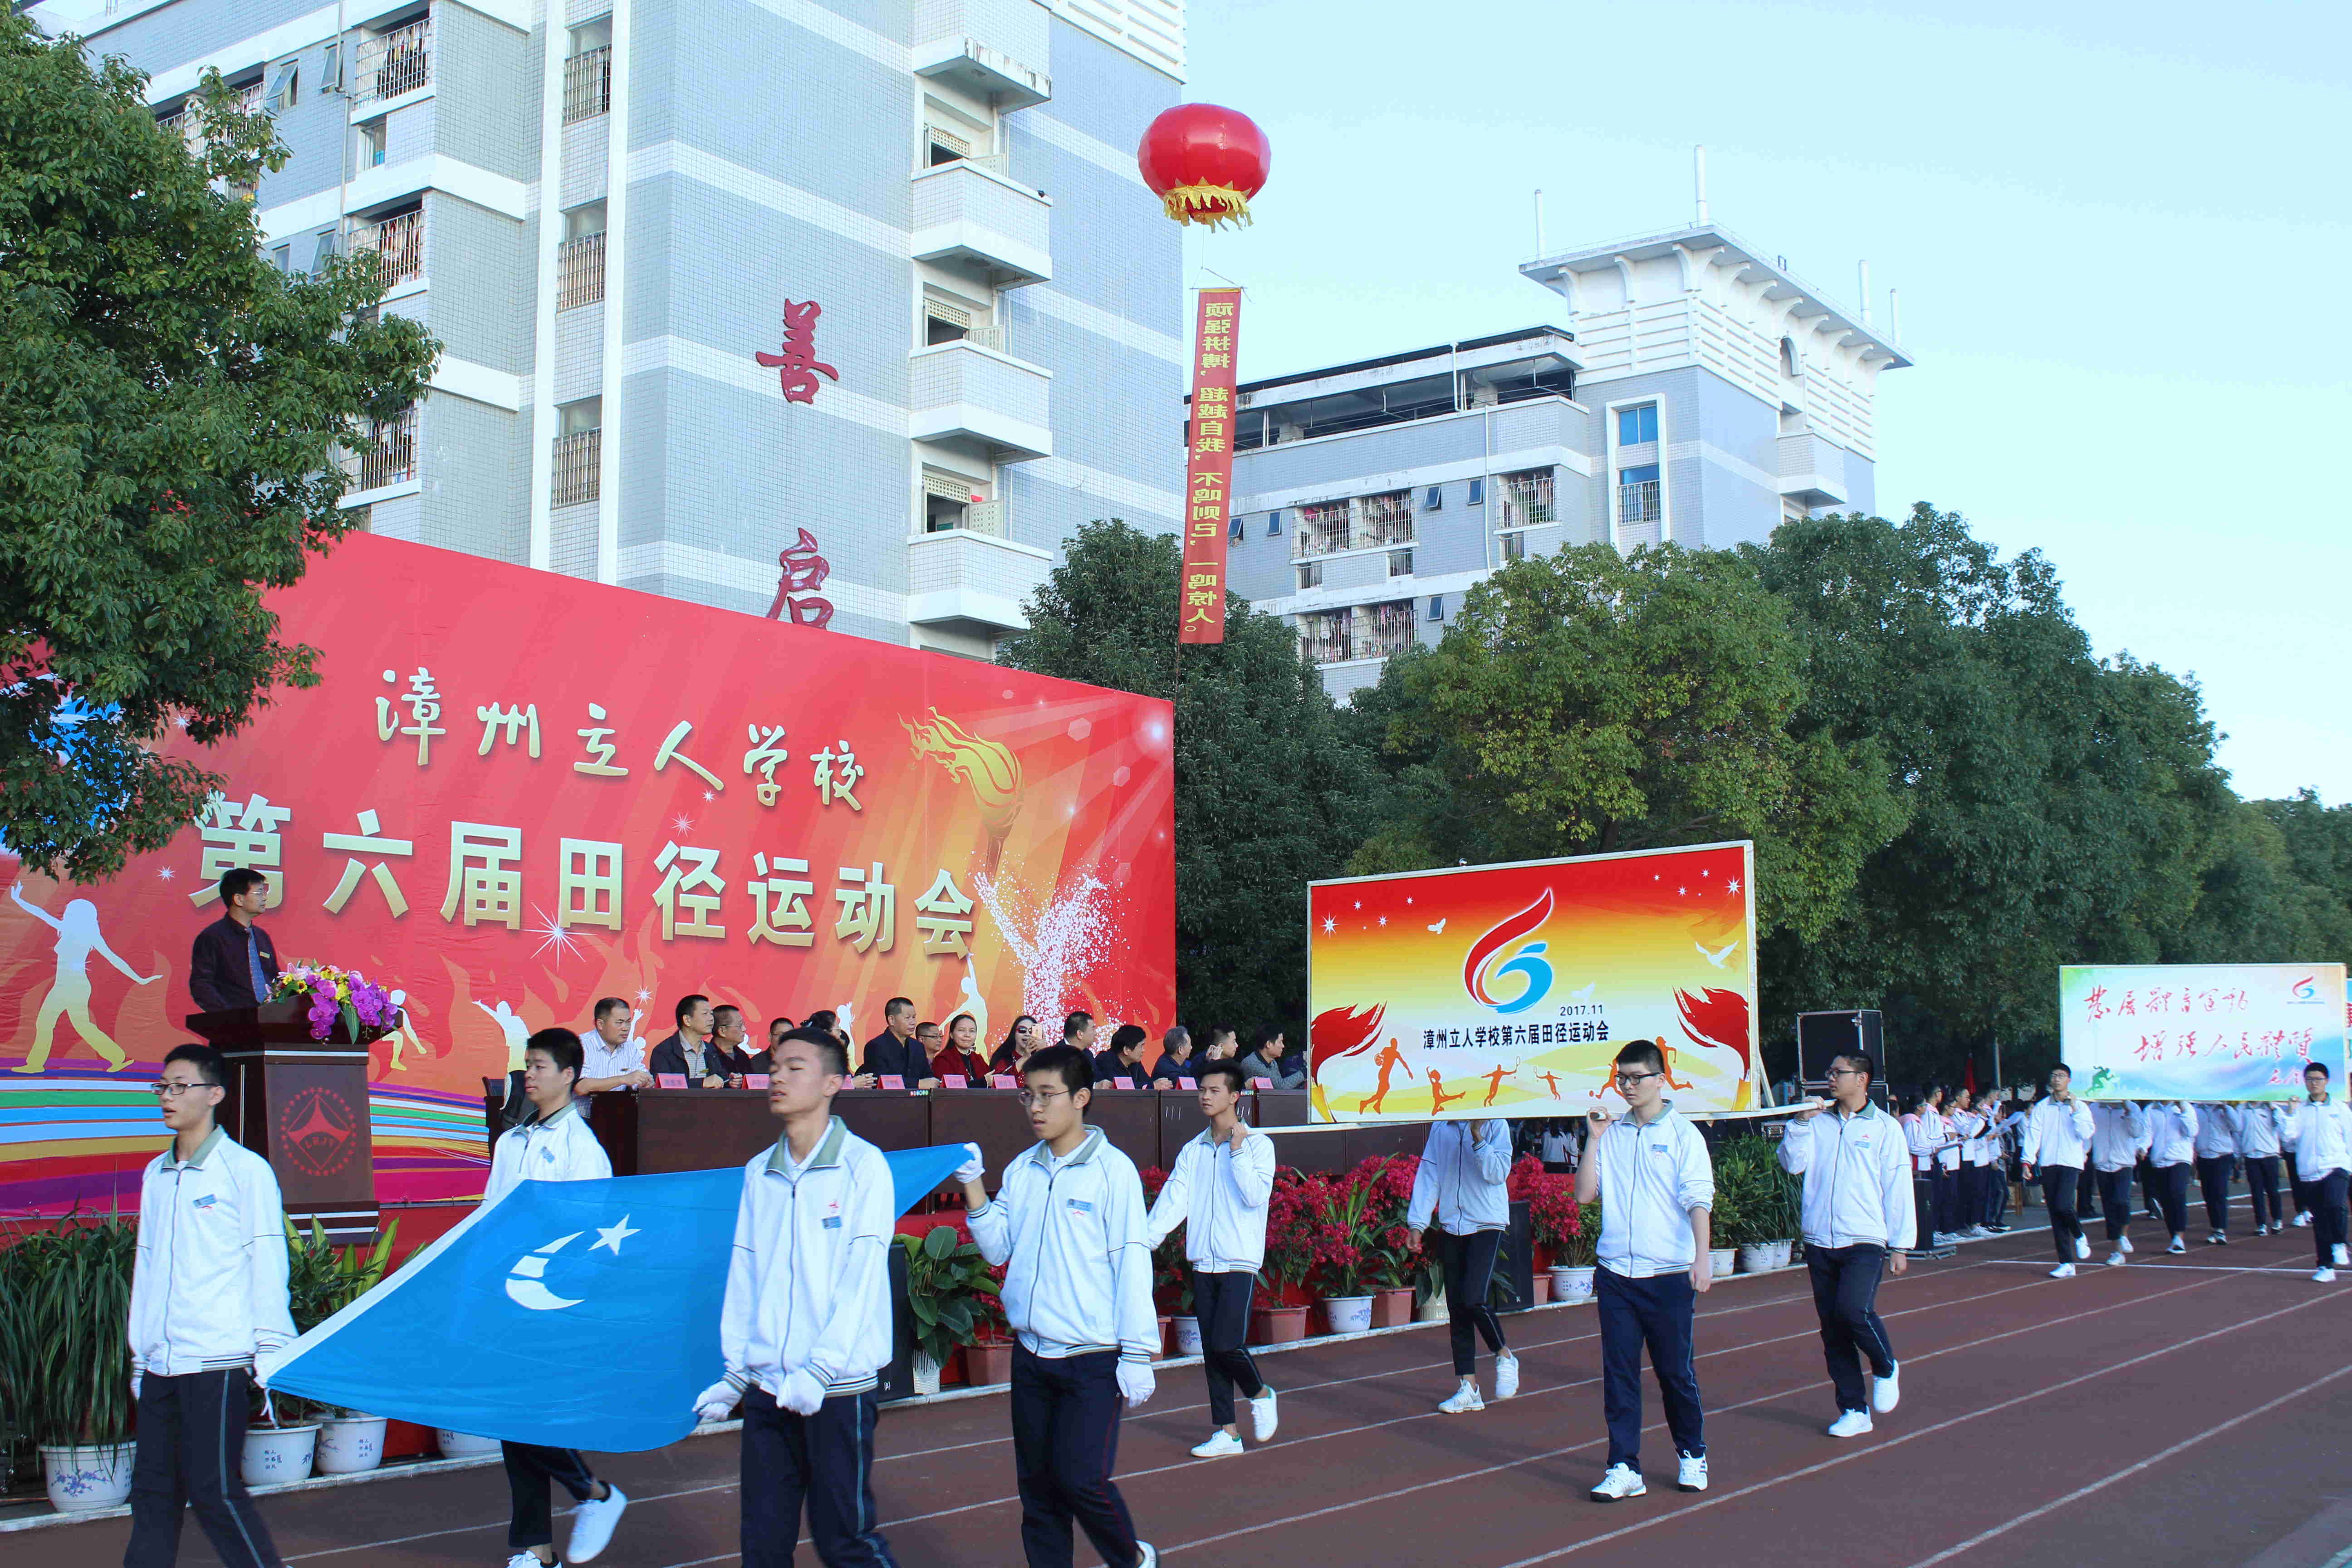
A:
x: 513, y: 792
x: 1508, y: 990
x: 2199, y: 1032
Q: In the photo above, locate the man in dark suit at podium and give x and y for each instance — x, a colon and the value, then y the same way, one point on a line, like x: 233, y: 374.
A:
x: 233, y: 964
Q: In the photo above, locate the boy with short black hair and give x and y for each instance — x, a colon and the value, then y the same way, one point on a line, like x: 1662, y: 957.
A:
x: 805, y: 1330
x: 1656, y: 1186
x: 1218, y: 1193
x: 2322, y: 1139
x: 1069, y: 1220
x: 553, y: 1144
x: 207, y: 1294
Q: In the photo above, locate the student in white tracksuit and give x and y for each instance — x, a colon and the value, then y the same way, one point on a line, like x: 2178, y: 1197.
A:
x: 805, y: 1328
x: 2056, y: 1137
x: 2216, y: 1159
x: 2258, y: 1127
x: 1858, y: 1220
x: 207, y: 1293
x: 553, y: 1145
x: 1218, y: 1193
x: 1655, y: 1183
x: 2321, y: 1140
x: 1068, y: 1225
x: 1968, y: 1125
x: 2116, y: 1131
x: 1464, y: 1180
x: 2171, y: 1141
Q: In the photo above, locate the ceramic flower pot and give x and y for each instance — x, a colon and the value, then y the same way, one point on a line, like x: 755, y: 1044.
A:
x: 85, y: 1478
x: 1188, y: 1335
x: 927, y: 1374
x: 1432, y: 1310
x: 1724, y: 1259
x: 1347, y: 1314
x: 279, y: 1453
x: 462, y: 1445
x: 349, y: 1444
x: 1571, y: 1283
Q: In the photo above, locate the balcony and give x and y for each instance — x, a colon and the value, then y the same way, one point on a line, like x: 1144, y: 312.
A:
x: 995, y: 50
x: 397, y: 246
x: 588, y: 84
x: 387, y: 457
x: 1526, y: 501
x: 393, y: 63
x: 961, y: 392
x: 970, y: 217
x: 963, y: 580
x: 580, y: 272
x: 1813, y: 472
x: 1638, y: 504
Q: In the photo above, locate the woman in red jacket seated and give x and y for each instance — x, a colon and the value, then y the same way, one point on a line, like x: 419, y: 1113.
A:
x: 958, y: 1056
x: 1018, y: 1042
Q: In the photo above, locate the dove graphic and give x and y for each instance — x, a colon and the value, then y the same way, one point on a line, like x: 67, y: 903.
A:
x: 1440, y: 927
x: 1583, y: 996
x: 1716, y: 958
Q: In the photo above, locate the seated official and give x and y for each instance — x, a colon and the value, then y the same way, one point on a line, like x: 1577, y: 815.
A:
x: 1124, y: 1057
x: 892, y: 1053
x: 1175, y: 1059
x: 960, y: 1053
x: 611, y: 1060
x: 690, y: 1053
x: 727, y: 1035
x: 1019, y: 1042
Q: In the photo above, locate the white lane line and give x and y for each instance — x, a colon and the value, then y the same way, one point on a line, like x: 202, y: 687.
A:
x: 2079, y: 1493
x: 1714, y: 1501
x: 1653, y: 1426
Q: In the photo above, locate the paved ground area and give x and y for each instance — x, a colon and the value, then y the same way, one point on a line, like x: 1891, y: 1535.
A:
x: 2179, y: 1413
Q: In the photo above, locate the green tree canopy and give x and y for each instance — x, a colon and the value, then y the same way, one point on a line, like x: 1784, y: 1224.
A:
x: 171, y: 406
x: 1269, y: 792
x: 1590, y: 702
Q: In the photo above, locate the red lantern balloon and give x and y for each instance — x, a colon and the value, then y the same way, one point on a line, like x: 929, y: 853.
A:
x: 1204, y: 162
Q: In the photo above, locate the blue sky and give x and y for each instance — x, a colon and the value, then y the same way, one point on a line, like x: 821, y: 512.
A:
x: 2120, y: 232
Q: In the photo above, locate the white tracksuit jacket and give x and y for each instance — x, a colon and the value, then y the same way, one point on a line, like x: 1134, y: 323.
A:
x: 2056, y: 1134
x: 1650, y: 1178
x: 1463, y: 1175
x: 2171, y: 1133
x: 2118, y: 1134
x: 1857, y: 1172
x: 209, y: 1280
x: 808, y: 1283
x: 1070, y: 1232
x: 557, y: 1148
x: 2321, y: 1138
x: 1219, y: 1197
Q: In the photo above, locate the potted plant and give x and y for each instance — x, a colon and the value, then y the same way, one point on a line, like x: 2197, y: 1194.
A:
x: 1573, y: 1253
x: 1756, y: 1204
x: 1172, y: 1287
x: 1394, y: 1248
x: 321, y: 1280
x: 945, y: 1279
x: 65, y: 1357
x: 1347, y: 1265
x: 988, y: 1359
x: 1553, y: 1222
x: 1289, y: 1255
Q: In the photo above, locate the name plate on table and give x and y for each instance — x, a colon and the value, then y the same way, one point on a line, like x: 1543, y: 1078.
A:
x: 1187, y: 1083
x: 669, y: 1079
x: 1124, y: 1082
x: 755, y: 1080
x: 1002, y: 1081
x: 892, y: 1080
x: 954, y: 1081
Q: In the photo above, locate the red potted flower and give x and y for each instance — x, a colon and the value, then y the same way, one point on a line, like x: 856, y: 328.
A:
x: 1290, y: 1226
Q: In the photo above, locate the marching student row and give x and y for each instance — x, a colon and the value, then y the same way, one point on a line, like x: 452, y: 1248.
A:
x: 2067, y: 1140
x: 805, y: 1328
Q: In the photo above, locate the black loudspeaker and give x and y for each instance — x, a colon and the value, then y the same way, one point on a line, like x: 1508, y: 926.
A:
x: 1821, y: 1036
x: 897, y: 1379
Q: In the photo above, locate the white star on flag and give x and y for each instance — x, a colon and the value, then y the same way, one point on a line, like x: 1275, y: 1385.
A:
x: 1329, y: 924
x: 1732, y: 885
x: 612, y: 1236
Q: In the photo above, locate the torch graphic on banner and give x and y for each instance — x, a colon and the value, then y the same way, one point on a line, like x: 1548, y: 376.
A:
x: 1209, y: 469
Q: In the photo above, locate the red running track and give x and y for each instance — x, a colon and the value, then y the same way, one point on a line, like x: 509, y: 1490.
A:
x: 2184, y: 1412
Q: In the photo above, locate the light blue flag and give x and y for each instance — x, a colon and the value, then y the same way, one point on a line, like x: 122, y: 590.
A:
x: 569, y: 1314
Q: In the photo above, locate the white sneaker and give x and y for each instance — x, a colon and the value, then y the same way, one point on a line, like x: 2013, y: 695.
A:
x: 1148, y: 1556
x: 1264, y: 1415
x: 2303, y: 1220
x: 592, y: 1522
x: 525, y: 1560
x: 1622, y: 1481
x: 1507, y: 1374
x: 2063, y: 1271
x: 1690, y: 1474
x: 1886, y: 1393
x: 1464, y: 1398
x: 2322, y: 1277
x: 1850, y: 1424
x: 1976, y: 1233
x: 1221, y: 1445
x: 2123, y: 1244
x: 2114, y: 1259
x: 2082, y: 1249
x: 2217, y: 1238
x: 2178, y: 1246
x: 2338, y: 1257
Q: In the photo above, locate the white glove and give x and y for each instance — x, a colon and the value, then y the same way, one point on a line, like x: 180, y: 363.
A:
x: 135, y: 1375
x: 804, y: 1395
x: 713, y: 1402
x: 973, y: 1167
x: 1134, y: 1382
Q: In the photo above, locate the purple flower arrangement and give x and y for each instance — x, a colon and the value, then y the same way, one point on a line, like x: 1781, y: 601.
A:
x: 336, y: 994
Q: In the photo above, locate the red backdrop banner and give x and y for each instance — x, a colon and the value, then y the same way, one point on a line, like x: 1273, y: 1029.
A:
x: 513, y: 792
x: 1209, y: 476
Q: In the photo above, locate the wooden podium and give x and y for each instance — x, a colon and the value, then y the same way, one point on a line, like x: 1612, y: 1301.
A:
x: 302, y: 1105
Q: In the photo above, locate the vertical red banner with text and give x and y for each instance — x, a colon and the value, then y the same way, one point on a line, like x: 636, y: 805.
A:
x: 1209, y: 467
